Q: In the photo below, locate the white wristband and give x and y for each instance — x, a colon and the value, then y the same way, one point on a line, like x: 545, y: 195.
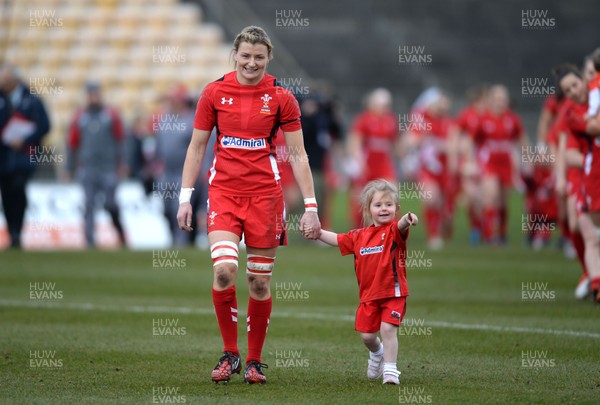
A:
x: 185, y: 195
x: 310, y: 205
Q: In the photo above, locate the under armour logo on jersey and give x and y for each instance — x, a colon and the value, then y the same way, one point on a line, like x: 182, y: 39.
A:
x: 383, y: 236
x: 225, y: 100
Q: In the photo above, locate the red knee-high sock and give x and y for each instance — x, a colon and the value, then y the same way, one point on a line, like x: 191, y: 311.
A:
x: 225, y: 303
x: 579, y: 246
x: 503, y: 218
x: 489, y: 220
x: 259, y: 313
x: 432, y: 222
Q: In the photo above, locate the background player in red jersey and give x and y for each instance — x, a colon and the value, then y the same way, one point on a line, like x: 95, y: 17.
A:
x: 436, y: 139
x: 550, y: 141
x: 247, y: 106
x: 467, y: 122
x: 379, y: 257
x: 569, y: 173
x: 574, y: 87
x: 500, y: 131
x: 371, y: 145
x: 540, y: 198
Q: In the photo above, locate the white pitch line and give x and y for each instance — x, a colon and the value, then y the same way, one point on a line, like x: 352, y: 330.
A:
x: 515, y: 329
x: 320, y: 316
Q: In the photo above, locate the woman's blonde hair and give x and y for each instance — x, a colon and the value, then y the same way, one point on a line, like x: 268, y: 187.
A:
x: 253, y: 35
x: 366, y: 197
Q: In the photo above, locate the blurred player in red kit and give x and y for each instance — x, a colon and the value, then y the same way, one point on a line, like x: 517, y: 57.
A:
x: 467, y: 122
x: 548, y: 144
x: 436, y: 139
x: 500, y: 132
x: 379, y: 251
x: 247, y: 106
x: 586, y: 133
x: 570, y: 155
x: 372, y: 143
x: 540, y: 199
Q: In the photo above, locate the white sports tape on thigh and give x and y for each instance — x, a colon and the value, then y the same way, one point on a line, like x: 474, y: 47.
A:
x: 224, y: 252
x: 260, y: 265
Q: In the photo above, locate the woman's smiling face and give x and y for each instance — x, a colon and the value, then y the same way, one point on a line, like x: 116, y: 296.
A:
x: 251, y: 62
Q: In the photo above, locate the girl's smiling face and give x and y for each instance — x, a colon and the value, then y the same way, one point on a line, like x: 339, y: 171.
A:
x: 382, y: 208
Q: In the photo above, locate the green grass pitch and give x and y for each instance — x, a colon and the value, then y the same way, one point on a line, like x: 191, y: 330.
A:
x: 111, y: 327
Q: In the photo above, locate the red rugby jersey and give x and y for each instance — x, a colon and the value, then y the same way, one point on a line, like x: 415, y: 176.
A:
x: 574, y: 141
x: 379, y: 260
x: 497, y: 133
x: 434, y: 134
x: 246, y: 119
x: 468, y: 120
x: 589, y: 146
x: 574, y: 124
x: 552, y: 104
x: 378, y: 133
x: 558, y: 123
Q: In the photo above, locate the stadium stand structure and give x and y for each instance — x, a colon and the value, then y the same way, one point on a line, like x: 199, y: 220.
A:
x: 135, y: 49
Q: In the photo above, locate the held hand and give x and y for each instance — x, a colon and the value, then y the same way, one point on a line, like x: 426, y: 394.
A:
x: 310, y: 225
x: 184, y: 217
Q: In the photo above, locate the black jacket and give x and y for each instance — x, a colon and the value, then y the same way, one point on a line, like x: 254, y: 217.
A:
x: 32, y: 108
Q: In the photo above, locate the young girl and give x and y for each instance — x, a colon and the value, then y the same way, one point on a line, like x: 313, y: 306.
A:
x: 379, y: 254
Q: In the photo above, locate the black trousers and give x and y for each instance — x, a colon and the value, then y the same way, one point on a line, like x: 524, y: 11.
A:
x: 14, y: 202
